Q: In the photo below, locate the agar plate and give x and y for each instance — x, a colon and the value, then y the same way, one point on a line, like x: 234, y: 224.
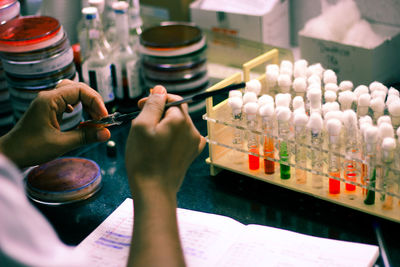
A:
x: 63, y: 180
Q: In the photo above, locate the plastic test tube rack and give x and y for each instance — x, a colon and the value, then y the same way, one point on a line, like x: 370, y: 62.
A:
x: 221, y: 151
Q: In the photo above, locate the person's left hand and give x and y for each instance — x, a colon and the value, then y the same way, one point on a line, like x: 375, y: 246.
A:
x: 37, y: 137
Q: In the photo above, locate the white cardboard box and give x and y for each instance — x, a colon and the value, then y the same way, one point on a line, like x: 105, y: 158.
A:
x: 359, y: 65
x: 271, y: 28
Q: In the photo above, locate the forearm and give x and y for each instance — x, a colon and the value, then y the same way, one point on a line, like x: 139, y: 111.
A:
x: 155, y: 240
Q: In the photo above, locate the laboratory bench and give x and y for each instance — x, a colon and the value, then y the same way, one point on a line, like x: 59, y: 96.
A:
x: 242, y: 198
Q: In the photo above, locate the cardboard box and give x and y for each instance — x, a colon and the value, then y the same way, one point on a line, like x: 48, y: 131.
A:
x: 359, y: 65
x: 271, y: 28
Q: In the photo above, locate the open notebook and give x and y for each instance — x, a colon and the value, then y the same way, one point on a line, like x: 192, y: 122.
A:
x: 215, y: 240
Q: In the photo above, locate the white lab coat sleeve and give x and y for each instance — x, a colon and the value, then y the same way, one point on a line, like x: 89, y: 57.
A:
x: 26, y: 237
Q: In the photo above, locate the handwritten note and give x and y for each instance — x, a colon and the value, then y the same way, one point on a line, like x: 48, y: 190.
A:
x: 214, y: 240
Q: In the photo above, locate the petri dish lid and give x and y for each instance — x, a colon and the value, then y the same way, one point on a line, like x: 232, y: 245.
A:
x: 63, y: 180
x: 28, y: 30
x: 171, y: 35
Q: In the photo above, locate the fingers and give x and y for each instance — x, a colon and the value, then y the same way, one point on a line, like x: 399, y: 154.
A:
x: 153, y: 108
x: 83, y: 136
x: 69, y: 93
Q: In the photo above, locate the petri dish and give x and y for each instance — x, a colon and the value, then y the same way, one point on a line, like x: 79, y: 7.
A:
x: 171, y: 36
x: 63, y: 180
x: 180, y: 87
x: 172, y: 75
x: 29, y: 33
x: 173, y: 52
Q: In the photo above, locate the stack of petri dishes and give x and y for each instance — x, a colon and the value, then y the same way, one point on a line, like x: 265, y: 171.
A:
x: 9, y: 9
x: 174, y: 55
x: 36, y: 55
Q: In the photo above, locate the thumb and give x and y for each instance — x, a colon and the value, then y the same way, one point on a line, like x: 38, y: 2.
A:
x: 83, y: 136
x: 153, y: 109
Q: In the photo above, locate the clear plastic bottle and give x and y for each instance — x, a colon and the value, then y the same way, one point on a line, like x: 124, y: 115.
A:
x: 84, y: 24
x: 126, y: 61
x: 96, y: 64
x: 135, y: 22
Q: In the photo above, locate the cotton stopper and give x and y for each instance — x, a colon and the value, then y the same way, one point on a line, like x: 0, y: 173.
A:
x: 361, y: 89
x: 250, y: 108
x: 346, y: 86
x: 385, y: 130
x: 333, y: 126
x: 346, y: 98
x: 265, y: 99
x: 331, y: 87
x: 298, y: 102
x: 283, y: 100
x: 235, y: 93
x: 300, y: 68
x: 300, y: 119
x: 330, y: 96
x: 253, y: 86
x: 271, y: 77
x: 236, y: 104
x: 249, y: 97
x: 315, y: 122
x: 266, y: 111
x: 393, y: 91
x: 300, y: 85
x: 329, y: 76
x: 284, y: 82
x: 283, y: 113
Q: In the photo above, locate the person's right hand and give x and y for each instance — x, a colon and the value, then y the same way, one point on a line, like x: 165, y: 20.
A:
x: 160, y: 147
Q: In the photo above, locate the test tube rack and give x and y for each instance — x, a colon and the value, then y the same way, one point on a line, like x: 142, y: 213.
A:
x: 225, y: 156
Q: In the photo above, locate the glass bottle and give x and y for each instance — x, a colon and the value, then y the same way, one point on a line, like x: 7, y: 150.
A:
x: 135, y: 22
x: 96, y: 63
x: 126, y: 62
x: 84, y: 24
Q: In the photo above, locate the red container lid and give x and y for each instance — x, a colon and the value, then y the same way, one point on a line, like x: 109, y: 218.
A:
x: 28, y: 30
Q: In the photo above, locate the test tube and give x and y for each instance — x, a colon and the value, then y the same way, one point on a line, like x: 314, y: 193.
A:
x: 266, y: 113
x: 300, y: 122
x: 314, y: 96
x: 370, y: 138
x: 283, y: 115
x: 377, y: 105
x: 252, y: 138
x: 351, y: 171
x: 300, y: 68
x: 334, y: 127
x: 394, y: 110
x: 271, y: 77
x: 389, y: 177
x: 236, y: 103
x: 315, y: 125
x: 363, y: 102
x: 300, y: 86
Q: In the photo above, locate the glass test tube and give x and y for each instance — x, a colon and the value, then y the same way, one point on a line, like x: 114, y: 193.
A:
x: 389, y: 177
x: 252, y: 138
x: 284, y: 130
x: 334, y: 126
x: 316, y: 159
x: 351, y: 170
x: 237, y: 134
x: 371, y: 172
x: 300, y: 151
x: 267, y: 126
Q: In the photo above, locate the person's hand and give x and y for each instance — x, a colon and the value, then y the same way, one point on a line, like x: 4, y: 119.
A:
x: 37, y: 138
x: 160, y: 147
